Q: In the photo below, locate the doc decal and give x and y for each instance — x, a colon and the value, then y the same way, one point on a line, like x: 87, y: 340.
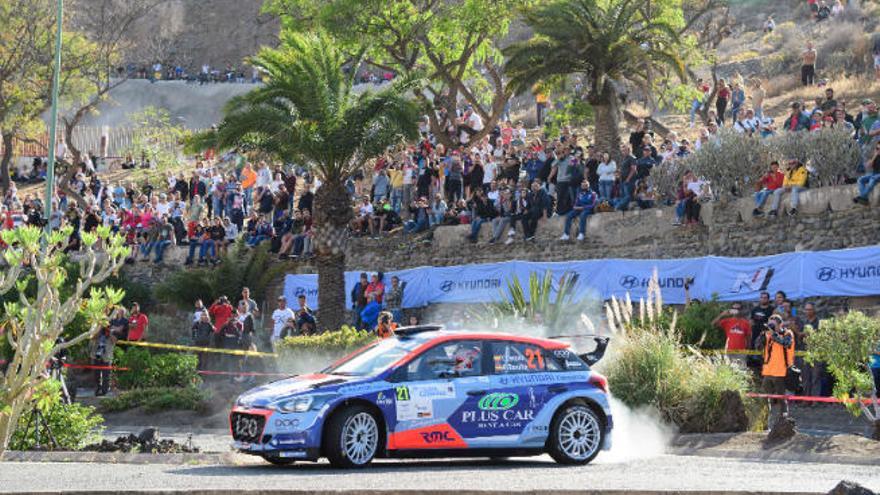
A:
x: 417, y: 401
x: 498, y: 401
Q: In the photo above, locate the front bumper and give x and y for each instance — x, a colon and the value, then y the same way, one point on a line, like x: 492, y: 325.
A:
x: 288, y: 435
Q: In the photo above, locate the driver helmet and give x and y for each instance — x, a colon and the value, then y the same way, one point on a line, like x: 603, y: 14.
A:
x: 465, y: 357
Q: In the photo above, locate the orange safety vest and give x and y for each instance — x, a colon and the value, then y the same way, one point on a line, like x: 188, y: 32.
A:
x: 777, y: 358
x: 386, y: 331
x: 248, y: 178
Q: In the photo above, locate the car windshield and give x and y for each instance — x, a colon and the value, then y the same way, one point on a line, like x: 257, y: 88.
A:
x: 375, y: 359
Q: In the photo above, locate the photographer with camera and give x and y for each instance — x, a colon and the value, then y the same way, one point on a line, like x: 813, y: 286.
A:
x: 778, y: 351
x: 101, y: 353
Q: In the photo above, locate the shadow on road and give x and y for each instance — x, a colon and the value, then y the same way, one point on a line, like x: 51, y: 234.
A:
x: 378, y: 467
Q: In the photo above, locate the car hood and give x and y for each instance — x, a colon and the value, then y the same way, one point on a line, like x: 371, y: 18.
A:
x: 271, y: 392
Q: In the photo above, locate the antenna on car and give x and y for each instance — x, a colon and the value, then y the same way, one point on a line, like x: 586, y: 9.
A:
x: 417, y: 329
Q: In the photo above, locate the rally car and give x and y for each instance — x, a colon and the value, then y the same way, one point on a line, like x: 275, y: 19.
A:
x: 428, y: 392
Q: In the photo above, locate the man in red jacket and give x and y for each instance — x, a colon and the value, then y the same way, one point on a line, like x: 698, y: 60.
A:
x: 221, y: 311
x: 137, y: 323
x: 770, y: 182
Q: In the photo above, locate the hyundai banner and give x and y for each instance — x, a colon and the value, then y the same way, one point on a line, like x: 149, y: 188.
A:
x: 847, y: 272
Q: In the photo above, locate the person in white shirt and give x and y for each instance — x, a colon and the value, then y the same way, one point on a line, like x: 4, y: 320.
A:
x: 163, y: 207
x: 606, y: 170
x: 264, y: 175
x: 280, y: 318
x: 490, y: 171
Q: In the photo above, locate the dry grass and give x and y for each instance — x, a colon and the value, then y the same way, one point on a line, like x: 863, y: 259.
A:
x: 850, y: 89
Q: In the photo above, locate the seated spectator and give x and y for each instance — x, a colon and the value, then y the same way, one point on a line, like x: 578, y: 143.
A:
x: 419, y: 217
x: 438, y: 209
x: 644, y: 195
x: 867, y: 182
x: 483, y: 211
x: 583, y: 207
x: 364, y: 218
x: 506, y: 211
x: 797, y: 120
x: 262, y: 232
x: 795, y: 181
x: 769, y: 183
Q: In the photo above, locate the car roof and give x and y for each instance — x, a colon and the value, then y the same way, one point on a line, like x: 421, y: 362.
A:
x: 439, y: 336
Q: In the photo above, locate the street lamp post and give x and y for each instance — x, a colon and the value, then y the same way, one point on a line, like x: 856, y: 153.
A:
x: 53, y: 119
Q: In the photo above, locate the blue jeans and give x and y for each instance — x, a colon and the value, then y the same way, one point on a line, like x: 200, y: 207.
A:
x: 208, y: 245
x: 761, y: 197
x: 413, y: 226
x: 605, y: 188
x: 217, y: 204
x: 866, y: 184
x: 248, y: 201
x: 625, y: 198
x: 581, y: 215
x: 160, y: 246
x: 476, y: 223
x: 396, y: 199
x: 254, y: 240
x: 795, y: 197
x: 695, y: 105
x: 679, y: 210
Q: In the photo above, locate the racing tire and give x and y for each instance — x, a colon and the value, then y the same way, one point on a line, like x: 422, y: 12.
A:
x: 279, y: 461
x: 351, y: 438
x: 576, y: 435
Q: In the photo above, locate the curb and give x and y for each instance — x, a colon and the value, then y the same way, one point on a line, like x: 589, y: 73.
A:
x: 770, y: 455
x: 226, y: 458
x: 407, y: 492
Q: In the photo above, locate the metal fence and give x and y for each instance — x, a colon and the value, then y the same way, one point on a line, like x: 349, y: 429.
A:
x: 102, y: 141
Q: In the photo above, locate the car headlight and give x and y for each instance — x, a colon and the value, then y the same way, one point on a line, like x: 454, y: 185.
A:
x: 302, y: 403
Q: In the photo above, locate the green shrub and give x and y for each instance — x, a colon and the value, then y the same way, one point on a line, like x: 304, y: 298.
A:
x: 155, y: 399
x: 72, y: 425
x: 146, y: 369
x: 695, y: 325
x: 313, y: 352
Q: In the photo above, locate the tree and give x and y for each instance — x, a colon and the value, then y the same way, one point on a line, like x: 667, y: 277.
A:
x: 454, y: 44
x: 307, y: 112
x: 33, y: 324
x: 610, y: 42
x: 845, y: 343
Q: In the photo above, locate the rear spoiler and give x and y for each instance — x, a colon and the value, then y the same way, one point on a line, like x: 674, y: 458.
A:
x: 597, y: 354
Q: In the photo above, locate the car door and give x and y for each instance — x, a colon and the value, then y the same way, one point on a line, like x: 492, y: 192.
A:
x: 521, y: 382
x: 429, y: 389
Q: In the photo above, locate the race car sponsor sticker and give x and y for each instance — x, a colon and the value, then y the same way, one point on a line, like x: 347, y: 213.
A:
x: 417, y: 401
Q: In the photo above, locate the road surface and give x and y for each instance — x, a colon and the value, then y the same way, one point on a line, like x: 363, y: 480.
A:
x: 665, y: 472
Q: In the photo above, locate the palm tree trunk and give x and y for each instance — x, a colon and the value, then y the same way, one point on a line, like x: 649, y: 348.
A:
x: 332, y: 215
x: 607, y: 110
x: 6, y: 161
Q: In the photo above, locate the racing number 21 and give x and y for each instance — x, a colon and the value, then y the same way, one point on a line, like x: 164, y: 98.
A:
x: 402, y: 393
x: 535, y: 361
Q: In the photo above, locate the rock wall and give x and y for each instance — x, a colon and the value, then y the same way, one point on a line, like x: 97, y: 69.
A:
x: 828, y: 219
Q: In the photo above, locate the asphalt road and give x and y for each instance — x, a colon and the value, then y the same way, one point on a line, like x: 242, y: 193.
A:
x: 659, y: 473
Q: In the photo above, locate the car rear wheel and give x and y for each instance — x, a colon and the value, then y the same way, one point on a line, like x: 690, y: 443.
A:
x: 279, y: 461
x: 352, y: 438
x: 576, y: 435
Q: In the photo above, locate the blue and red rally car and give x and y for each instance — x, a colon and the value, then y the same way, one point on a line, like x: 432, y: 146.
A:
x: 428, y: 392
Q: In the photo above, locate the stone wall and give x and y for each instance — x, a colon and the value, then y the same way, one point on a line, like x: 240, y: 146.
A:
x: 828, y: 219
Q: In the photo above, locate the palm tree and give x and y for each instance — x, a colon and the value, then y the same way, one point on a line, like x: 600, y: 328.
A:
x: 307, y: 112
x: 609, y: 42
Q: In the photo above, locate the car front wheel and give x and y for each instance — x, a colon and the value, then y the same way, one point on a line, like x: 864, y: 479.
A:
x: 352, y: 438
x: 576, y: 435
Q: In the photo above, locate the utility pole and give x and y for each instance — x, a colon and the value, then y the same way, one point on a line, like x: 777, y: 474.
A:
x: 53, y: 119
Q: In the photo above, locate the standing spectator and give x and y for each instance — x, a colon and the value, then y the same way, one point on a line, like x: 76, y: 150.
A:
x: 306, y: 324
x: 138, y: 323
x: 757, y: 96
x: 606, y: 170
x: 101, y: 352
x: 867, y: 182
x: 370, y: 313
x: 280, y: 317
x: 583, y: 207
x: 534, y: 206
x: 119, y: 324
x: 808, y: 68
x: 777, y: 344
x: 829, y: 104
x: 769, y: 183
x: 381, y: 186
x: 394, y: 299
x: 737, y: 99
x: 202, y: 331
x: 722, y: 97
x: 221, y: 311
x: 359, y: 299
x: 760, y: 315
x: 253, y: 307
x: 811, y: 373
x: 376, y: 287
x: 737, y: 330
x: 795, y: 180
